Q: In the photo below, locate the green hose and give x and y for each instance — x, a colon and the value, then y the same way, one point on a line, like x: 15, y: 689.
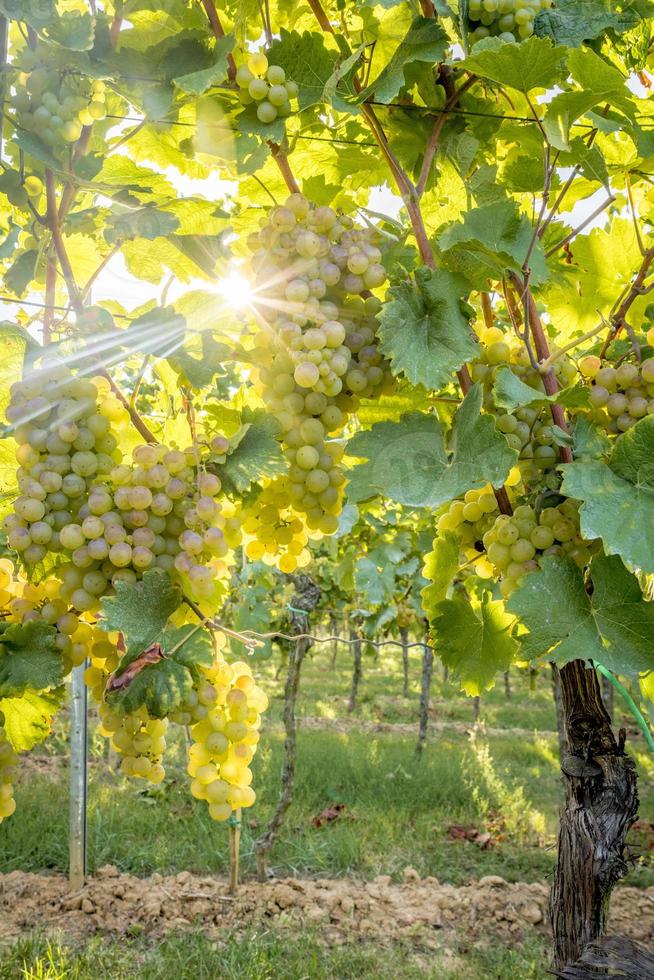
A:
x: 633, y: 707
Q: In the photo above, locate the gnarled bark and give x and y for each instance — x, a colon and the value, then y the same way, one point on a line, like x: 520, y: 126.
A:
x: 601, y: 803
x: 404, y: 639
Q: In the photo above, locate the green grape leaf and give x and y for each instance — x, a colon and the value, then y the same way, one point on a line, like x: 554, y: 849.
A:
x: 490, y: 240
x: 28, y: 718
x: 425, y: 41
x: 307, y: 62
x: 374, y: 579
x: 200, y: 371
x: 161, y: 687
x: 36, y: 13
x: 511, y: 393
x: 534, y: 63
x: 156, y: 331
x: 197, y: 82
x: 255, y: 454
x: 424, y: 328
x: 596, y: 75
x: 29, y: 658
x: 21, y: 272
x: 589, y: 439
x: 31, y: 144
x: 613, y: 625
x: 618, y: 496
x: 474, y: 640
x: 572, y: 22
x: 407, y: 461
x: 189, y: 645
x: 439, y: 568
x: 73, y: 29
x: 141, y: 610
x: 148, y: 223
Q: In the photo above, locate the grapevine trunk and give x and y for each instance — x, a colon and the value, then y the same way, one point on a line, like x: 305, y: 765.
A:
x: 601, y: 803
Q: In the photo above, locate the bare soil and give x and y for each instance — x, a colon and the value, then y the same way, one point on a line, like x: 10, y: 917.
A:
x: 424, y: 911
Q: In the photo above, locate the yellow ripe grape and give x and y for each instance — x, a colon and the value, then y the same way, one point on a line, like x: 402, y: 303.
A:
x: 217, y: 791
x: 255, y: 550
x: 484, y: 569
x: 514, y: 477
x: 199, y: 790
x: 206, y: 774
x: 220, y: 811
x: 258, y: 63
x: 230, y: 770
x: 287, y: 564
x: 590, y: 366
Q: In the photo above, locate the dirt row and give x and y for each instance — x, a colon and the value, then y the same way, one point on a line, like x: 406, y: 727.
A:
x: 383, y: 911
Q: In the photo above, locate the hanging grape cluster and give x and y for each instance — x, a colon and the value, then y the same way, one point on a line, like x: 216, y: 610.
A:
x: 317, y: 346
x: 619, y: 395
x: 528, y: 429
x: 54, y: 101
x: 267, y: 87
x: 272, y: 530
x: 511, y: 20
x: 226, y: 717
x: 138, y: 738
x: 109, y: 520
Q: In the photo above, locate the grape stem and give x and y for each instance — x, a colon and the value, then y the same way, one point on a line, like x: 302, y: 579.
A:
x: 550, y: 383
x: 214, y: 625
x: 218, y: 32
x: 434, y: 139
x: 638, y: 288
x: 545, y: 365
x: 575, y: 231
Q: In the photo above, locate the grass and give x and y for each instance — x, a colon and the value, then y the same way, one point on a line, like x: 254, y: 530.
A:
x: 262, y: 956
x: 398, y: 811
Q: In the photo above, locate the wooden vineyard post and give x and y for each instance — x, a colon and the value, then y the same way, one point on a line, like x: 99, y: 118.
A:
x: 425, y: 690
x: 356, y: 669
x: 305, y: 599
x: 404, y: 638
x: 234, y: 849
x: 77, y: 846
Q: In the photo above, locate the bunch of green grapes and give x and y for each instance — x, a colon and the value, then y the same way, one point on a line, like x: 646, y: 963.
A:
x: 225, y: 738
x: 317, y: 354
x: 138, y: 738
x: 514, y: 544
x: 504, y: 349
x: 470, y: 519
x: 511, y: 20
x: 64, y: 429
x: 53, y: 101
x: 8, y: 770
x: 273, y: 532
x: 267, y: 86
x: 619, y: 396
x: 25, y: 602
x: 529, y: 430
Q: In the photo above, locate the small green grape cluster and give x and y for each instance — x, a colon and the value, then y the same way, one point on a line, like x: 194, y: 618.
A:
x: 511, y: 20
x: 514, y: 544
x: 273, y: 532
x: 470, y: 519
x: 138, y: 738
x: 52, y: 101
x: 529, y: 430
x: 267, y: 86
x: 8, y: 770
x: 620, y: 396
x: 225, y: 735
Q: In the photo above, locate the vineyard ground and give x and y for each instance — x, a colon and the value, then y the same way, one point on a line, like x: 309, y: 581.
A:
x: 470, y: 808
